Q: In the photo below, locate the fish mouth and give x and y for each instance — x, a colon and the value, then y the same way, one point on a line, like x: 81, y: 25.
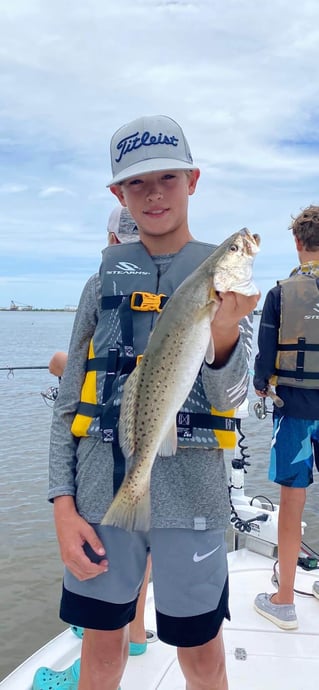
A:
x: 256, y: 238
x: 251, y: 241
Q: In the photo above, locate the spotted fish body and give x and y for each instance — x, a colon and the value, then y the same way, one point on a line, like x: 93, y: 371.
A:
x: 160, y: 384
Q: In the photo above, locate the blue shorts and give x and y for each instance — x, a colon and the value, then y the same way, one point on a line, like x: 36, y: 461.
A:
x: 190, y: 581
x: 294, y: 447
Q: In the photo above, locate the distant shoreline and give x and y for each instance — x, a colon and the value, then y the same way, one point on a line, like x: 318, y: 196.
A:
x: 21, y: 309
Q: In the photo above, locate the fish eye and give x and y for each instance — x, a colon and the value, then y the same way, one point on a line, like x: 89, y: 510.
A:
x: 233, y: 247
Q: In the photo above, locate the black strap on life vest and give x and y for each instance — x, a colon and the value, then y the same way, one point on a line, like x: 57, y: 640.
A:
x: 297, y: 375
x: 187, y: 421
x: 301, y: 347
x: 118, y: 467
x: 112, y: 301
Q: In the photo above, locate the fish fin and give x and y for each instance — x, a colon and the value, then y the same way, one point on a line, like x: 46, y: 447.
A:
x: 168, y: 446
x: 128, y: 515
x: 210, y: 352
x: 127, y: 413
x: 213, y: 307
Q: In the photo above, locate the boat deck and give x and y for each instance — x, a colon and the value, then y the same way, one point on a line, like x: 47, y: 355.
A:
x: 259, y: 655
x: 281, y: 660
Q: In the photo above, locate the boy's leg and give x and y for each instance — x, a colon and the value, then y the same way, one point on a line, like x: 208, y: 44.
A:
x: 291, y: 463
x: 204, y: 667
x: 292, y: 501
x: 103, y: 659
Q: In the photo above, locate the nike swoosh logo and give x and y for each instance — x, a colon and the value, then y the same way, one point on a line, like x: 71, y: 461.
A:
x: 197, y: 558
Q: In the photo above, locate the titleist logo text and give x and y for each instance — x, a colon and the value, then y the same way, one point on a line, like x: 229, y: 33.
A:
x: 135, y: 141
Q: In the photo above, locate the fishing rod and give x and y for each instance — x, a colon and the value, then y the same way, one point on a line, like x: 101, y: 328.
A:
x: 49, y: 396
x: 11, y: 370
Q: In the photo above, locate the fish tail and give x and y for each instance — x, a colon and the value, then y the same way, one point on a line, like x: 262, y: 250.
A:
x: 129, y: 515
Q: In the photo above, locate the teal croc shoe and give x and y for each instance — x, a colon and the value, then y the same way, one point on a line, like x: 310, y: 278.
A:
x: 48, y: 679
x: 137, y: 648
x: 77, y: 631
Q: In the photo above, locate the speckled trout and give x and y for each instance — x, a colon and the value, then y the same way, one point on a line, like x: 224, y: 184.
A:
x: 159, y: 385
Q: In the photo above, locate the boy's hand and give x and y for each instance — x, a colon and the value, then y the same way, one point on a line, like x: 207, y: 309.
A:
x: 261, y: 394
x: 224, y: 327
x: 72, y: 533
x: 232, y: 308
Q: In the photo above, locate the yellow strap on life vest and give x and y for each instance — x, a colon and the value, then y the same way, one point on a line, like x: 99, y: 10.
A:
x: 226, y: 439
x: 81, y: 423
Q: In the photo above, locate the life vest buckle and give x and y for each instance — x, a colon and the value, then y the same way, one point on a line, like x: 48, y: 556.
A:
x: 146, y: 301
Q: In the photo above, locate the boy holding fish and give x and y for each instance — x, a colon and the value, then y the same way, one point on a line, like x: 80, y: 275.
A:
x: 166, y: 440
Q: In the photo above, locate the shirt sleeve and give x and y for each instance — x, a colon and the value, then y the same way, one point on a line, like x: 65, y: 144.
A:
x: 63, y: 445
x: 267, y: 340
x: 227, y: 387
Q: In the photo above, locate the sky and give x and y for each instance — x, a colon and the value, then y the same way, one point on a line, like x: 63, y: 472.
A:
x: 240, y: 76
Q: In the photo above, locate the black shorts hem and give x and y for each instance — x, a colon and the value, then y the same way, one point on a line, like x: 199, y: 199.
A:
x: 192, y: 631
x: 94, y: 613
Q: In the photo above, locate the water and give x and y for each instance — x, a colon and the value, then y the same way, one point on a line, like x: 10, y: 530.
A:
x: 30, y: 567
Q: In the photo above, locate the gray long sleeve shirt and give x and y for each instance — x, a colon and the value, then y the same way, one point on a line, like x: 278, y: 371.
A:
x: 188, y: 490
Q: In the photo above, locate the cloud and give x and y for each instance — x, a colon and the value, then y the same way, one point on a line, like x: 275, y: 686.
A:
x: 53, y: 191
x: 240, y: 77
x: 12, y: 188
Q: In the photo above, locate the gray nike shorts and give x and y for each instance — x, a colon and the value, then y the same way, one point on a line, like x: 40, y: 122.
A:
x: 190, y: 580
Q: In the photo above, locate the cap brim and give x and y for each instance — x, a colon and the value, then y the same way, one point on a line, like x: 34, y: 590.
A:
x: 151, y: 165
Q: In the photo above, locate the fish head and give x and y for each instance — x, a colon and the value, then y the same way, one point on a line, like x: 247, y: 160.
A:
x: 234, y: 263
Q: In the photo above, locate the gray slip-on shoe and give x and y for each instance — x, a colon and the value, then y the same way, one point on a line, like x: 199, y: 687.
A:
x: 283, y: 615
x: 315, y: 589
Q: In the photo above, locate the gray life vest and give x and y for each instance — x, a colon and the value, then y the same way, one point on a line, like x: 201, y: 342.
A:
x: 133, y: 295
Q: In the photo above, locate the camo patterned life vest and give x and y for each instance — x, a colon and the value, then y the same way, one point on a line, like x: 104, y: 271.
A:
x: 297, y: 361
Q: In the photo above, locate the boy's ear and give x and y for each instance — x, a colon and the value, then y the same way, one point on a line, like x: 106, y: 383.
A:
x: 116, y: 189
x: 193, y: 179
x: 299, y: 245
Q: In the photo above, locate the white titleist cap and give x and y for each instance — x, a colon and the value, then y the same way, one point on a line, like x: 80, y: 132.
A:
x: 149, y: 144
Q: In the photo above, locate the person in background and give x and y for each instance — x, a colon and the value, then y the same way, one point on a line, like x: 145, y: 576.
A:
x: 57, y: 364
x: 56, y: 367
x: 153, y: 176
x: 288, y: 356
x: 121, y: 228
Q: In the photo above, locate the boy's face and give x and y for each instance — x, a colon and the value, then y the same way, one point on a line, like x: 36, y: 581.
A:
x: 158, y: 201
